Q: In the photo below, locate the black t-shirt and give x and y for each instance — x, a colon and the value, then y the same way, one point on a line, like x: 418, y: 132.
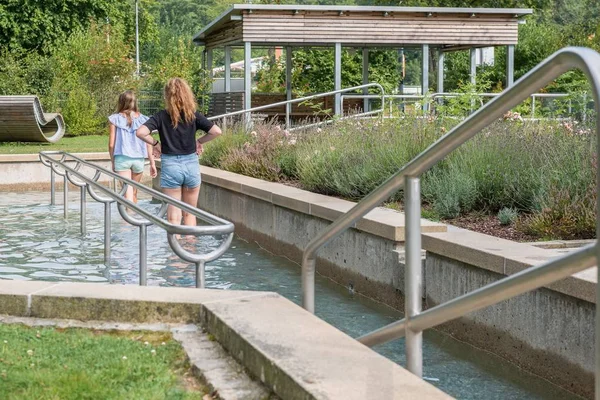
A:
x: 181, y: 140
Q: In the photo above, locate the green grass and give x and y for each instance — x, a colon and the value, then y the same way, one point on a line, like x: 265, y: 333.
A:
x: 49, y: 363
x: 77, y: 144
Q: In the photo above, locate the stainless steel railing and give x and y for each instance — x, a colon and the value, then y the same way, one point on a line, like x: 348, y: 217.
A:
x: 288, y: 104
x: 433, y: 97
x: 57, y: 162
x: 408, y: 177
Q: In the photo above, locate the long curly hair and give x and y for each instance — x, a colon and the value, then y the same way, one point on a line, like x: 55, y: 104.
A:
x: 127, y: 105
x: 179, y: 101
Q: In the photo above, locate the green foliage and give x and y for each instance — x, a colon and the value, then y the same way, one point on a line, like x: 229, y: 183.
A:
x: 259, y: 156
x: 538, y: 169
x: 90, y: 71
x: 217, y: 150
x: 508, y: 215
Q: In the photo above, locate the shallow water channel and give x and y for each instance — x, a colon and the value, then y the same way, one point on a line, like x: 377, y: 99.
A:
x: 36, y: 243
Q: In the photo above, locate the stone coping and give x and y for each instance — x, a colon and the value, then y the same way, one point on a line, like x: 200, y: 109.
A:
x: 507, y: 257
x: 295, y: 354
x: 381, y: 221
x: 488, y: 252
x: 22, y: 158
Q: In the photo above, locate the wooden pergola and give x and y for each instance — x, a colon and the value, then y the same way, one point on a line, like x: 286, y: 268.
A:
x: 436, y: 28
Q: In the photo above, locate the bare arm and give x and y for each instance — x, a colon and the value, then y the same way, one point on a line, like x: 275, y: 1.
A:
x: 112, y: 135
x: 210, y: 135
x: 143, y: 133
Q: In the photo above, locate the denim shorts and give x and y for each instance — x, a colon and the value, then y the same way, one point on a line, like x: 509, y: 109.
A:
x: 179, y: 171
x: 125, y: 163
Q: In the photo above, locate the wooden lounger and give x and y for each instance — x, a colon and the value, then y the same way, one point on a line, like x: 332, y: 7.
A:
x: 22, y: 120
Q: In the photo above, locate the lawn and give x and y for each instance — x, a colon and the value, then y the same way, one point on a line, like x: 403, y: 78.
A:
x: 77, y: 144
x: 49, y: 363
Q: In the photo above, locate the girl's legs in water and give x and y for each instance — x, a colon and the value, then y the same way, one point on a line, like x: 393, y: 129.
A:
x: 190, y: 196
x: 136, y: 177
x: 129, y: 192
x: 173, y: 213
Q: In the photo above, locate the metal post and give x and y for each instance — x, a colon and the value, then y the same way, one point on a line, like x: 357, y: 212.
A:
x: 143, y: 255
x: 425, y: 75
x: 570, y: 107
x: 107, y: 223
x: 413, y: 274
x: 66, y: 196
x: 83, y: 209
x: 200, y: 281
x: 227, y: 79
x: 473, y: 75
x: 510, y: 65
x: 288, y: 85
x: 115, y: 184
x: 52, y: 187
x: 248, y: 82
x: 532, y: 106
x: 402, y: 77
x: 137, y: 41
x: 365, y: 78
x: 440, y: 75
x: 337, y: 78
x: 584, y: 118
x: 308, y: 285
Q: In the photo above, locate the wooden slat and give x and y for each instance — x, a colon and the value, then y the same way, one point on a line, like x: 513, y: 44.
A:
x: 373, y: 28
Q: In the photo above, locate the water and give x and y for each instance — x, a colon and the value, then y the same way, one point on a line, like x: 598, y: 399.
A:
x: 37, y: 244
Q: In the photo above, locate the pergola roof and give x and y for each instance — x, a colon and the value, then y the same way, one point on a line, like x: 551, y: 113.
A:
x: 362, y: 26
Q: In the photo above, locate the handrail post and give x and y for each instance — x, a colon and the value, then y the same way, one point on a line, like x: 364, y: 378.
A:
x: 143, y: 255
x: 308, y: 284
x: 83, y: 209
x: 107, y: 225
x: 52, y: 187
x: 533, y: 106
x: 413, y: 278
x: 66, y: 196
x: 200, y: 279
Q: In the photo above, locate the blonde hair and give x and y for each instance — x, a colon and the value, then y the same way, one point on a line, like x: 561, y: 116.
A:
x: 127, y: 105
x: 180, y: 102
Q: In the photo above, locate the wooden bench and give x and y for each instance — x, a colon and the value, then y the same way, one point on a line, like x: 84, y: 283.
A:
x: 23, y: 120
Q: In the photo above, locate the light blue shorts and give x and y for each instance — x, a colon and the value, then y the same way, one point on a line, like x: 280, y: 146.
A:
x: 179, y: 171
x: 125, y: 163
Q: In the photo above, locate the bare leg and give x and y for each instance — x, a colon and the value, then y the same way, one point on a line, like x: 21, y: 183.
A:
x: 136, y: 177
x: 190, y: 196
x: 173, y: 213
x: 129, y: 192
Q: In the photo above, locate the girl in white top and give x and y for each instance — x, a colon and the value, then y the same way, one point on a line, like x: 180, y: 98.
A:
x: 127, y: 152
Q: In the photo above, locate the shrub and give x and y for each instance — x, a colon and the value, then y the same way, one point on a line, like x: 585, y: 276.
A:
x: 216, y: 150
x: 259, y: 156
x: 565, y: 216
x: 508, y: 215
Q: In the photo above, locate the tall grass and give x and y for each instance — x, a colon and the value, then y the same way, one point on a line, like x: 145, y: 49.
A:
x: 545, y: 171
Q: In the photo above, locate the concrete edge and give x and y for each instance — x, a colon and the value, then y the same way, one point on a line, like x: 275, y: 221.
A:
x: 507, y: 257
x: 381, y: 221
x: 239, y: 320
x: 27, y: 158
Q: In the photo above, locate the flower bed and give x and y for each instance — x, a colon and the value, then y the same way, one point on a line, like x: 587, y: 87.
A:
x: 539, y: 176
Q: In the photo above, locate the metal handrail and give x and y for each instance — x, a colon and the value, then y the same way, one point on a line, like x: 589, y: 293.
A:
x: 218, y: 225
x: 560, y: 62
x: 288, y: 103
x: 443, y: 95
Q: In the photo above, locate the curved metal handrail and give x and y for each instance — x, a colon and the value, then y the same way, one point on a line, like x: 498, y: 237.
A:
x: 588, y: 61
x: 218, y: 225
x: 306, y: 98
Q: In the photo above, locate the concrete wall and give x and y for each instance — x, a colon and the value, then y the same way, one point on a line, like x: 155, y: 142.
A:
x: 23, y: 172
x: 549, y: 331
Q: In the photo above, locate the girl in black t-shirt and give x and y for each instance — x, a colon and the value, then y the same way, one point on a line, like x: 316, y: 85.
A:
x: 178, y: 148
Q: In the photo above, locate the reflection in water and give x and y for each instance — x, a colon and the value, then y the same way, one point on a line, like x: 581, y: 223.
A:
x: 37, y: 243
